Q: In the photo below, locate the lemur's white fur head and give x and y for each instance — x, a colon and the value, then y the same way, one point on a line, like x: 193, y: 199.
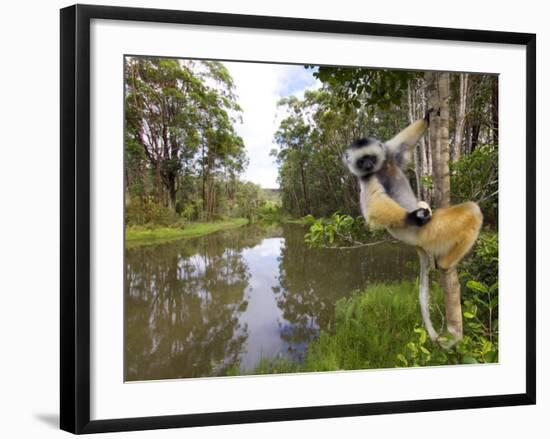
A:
x: 365, y: 156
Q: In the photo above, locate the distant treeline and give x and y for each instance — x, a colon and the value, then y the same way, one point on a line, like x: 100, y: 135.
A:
x: 456, y: 162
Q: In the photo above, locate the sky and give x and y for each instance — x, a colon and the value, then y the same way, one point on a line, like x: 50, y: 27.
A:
x: 258, y: 88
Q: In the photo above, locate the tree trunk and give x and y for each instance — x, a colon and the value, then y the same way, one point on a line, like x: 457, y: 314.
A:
x: 211, y: 199
x: 158, y: 182
x: 438, y: 85
x: 460, y: 117
x: 126, y: 186
x: 449, y: 278
x: 476, y: 128
x: 453, y: 308
x: 296, y: 209
x: 304, y: 190
x: 445, y: 178
x: 494, y: 109
x: 434, y: 102
x: 172, y: 192
x: 205, y: 176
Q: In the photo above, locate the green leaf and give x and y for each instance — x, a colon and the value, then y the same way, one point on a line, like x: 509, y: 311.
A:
x: 423, y: 337
x: 412, y: 347
x: 491, y: 357
x: 468, y: 315
x: 477, y: 286
x: 467, y: 359
x: 487, y: 346
x: 402, y: 358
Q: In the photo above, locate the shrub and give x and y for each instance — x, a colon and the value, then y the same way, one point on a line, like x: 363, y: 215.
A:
x: 144, y: 210
x: 475, y: 177
x: 339, y: 231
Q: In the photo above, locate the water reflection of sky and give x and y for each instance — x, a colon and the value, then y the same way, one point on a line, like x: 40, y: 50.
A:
x: 262, y: 317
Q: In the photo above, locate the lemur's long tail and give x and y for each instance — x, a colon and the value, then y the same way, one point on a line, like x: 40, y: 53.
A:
x: 424, y: 292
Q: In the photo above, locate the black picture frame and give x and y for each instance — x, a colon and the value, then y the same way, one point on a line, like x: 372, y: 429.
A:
x: 75, y: 217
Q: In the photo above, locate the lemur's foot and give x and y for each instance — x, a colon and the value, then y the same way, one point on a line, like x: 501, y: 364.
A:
x: 448, y: 340
x: 419, y: 217
x: 424, y: 205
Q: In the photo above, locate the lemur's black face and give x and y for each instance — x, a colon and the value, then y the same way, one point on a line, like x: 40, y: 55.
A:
x: 366, y: 163
x: 365, y: 156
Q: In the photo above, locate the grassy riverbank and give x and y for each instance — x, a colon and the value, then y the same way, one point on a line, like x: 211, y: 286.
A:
x: 381, y: 327
x: 142, y: 235
x: 369, y: 330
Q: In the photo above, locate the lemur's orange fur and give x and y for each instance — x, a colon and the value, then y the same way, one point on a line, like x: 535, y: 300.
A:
x: 382, y: 210
x: 451, y: 232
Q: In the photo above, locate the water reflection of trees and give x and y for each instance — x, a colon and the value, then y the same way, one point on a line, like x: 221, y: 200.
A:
x: 184, y: 301
x: 312, y: 280
x: 182, y: 306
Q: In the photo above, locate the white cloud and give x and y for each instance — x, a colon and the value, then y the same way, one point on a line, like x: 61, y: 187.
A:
x: 259, y: 87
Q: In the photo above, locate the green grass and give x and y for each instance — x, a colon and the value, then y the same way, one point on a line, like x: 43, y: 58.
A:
x: 302, y: 221
x: 369, y: 330
x: 141, y: 235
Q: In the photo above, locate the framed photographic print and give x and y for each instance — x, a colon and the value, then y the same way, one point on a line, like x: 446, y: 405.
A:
x: 272, y: 218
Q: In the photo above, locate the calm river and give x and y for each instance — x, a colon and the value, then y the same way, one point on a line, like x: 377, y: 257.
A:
x: 199, y: 306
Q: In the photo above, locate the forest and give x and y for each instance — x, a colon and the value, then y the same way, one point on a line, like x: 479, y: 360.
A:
x: 183, y: 158
x: 184, y: 167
